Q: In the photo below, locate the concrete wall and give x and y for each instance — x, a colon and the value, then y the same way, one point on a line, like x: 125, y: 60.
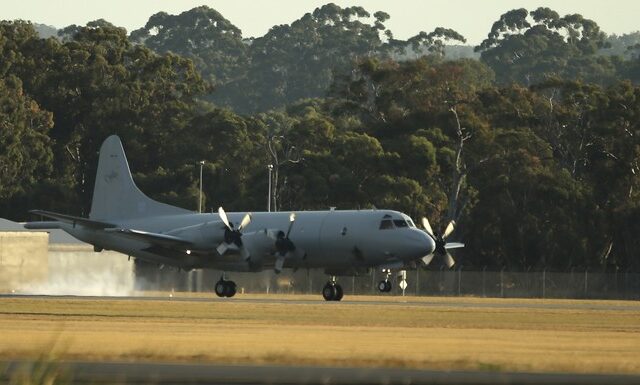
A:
x: 23, y: 260
x: 30, y: 265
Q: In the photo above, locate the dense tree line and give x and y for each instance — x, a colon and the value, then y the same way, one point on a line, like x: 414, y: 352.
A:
x: 533, y: 148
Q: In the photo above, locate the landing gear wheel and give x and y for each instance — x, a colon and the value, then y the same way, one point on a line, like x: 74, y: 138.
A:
x: 332, y: 291
x: 339, y: 293
x: 225, y: 288
x: 220, y: 288
x: 230, y: 289
x: 329, y: 292
x: 384, y: 286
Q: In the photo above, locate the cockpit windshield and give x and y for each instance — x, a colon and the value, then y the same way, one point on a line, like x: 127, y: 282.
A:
x: 386, y: 224
x: 400, y: 223
x: 389, y: 223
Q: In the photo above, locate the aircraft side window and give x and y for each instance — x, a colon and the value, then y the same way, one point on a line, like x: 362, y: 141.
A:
x: 386, y: 224
x: 410, y: 222
x: 400, y: 223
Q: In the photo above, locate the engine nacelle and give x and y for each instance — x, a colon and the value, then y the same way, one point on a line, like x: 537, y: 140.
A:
x: 204, y: 236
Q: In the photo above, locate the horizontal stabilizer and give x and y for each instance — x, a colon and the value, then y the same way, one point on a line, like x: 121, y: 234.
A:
x: 43, y: 225
x: 73, y: 220
x: 164, y: 240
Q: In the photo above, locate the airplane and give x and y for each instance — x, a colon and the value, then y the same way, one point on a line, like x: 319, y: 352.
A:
x: 342, y: 242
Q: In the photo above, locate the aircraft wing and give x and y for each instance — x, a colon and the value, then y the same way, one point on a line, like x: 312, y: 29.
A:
x: 74, y: 220
x: 155, y: 239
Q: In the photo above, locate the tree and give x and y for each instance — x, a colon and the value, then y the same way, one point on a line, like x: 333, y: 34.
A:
x: 201, y: 34
x: 25, y: 148
x: 298, y: 61
x: 96, y: 84
x: 528, y: 47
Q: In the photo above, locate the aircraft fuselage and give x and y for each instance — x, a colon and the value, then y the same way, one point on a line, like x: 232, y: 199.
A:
x: 335, y: 240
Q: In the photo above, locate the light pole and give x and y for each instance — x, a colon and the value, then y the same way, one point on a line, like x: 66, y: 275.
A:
x: 270, y: 167
x: 200, y: 196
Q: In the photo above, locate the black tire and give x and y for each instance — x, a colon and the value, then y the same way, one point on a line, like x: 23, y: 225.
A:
x: 220, y: 288
x: 339, y: 293
x: 382, y: 286
x: 329, y: 292
x: 230, y: 289
x: 387, y: 287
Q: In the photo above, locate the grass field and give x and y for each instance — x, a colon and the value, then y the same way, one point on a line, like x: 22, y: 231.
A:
x: 487, y: 334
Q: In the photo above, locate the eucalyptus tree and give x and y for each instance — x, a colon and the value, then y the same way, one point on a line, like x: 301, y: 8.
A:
x: 527, y: 47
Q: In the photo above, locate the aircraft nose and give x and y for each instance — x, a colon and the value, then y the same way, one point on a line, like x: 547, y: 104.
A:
x: 420, y: 244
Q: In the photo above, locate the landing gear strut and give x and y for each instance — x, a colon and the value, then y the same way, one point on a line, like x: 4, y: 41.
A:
x: 384, y: 286
x: 225, y: 288
x: 332, y: 291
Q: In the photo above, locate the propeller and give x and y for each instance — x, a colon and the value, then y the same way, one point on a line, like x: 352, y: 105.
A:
x: 285, y: 247
x: 441, y: 243
x: 233, y: 236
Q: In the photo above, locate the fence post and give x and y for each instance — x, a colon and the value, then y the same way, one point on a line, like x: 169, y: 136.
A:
x: 353, y: 285
x: 417, y: 281
x: 459, y: 279
x: 373, y: 281
x: 626, y: 284
x: 502, y: 282
x: 484, y: 293
x: 544, y: 276
x: 586, y: 281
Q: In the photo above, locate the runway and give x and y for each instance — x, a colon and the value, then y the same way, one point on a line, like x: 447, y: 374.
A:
x: 456, y: 302
x: 302, y: 339
x: 175, y: 373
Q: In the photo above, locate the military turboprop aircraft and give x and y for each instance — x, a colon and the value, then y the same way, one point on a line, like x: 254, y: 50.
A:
x: 351, y: 242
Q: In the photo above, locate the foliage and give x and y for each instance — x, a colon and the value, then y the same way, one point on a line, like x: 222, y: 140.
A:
x: 532, y: 149
x: 527, y: 47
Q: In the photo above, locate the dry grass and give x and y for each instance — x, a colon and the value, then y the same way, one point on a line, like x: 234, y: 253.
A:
x: 441, y: 336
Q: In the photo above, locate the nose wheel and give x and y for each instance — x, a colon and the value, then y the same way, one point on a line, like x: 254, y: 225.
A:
x: 225, y: 288
x: 384, y: 286
x: 332, y: 291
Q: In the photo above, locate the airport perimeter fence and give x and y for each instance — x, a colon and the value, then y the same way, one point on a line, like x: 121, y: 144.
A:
x: 577, y: 284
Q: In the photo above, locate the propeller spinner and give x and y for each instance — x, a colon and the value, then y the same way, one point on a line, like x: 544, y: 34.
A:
x: 233, y: 236
x: 285, y: 248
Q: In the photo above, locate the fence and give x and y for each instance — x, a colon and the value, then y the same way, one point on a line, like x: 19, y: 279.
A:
x: 506, y: 284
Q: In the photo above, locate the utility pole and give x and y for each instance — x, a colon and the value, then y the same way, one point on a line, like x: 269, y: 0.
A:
x: 200, y: 196
x: 270, y: 167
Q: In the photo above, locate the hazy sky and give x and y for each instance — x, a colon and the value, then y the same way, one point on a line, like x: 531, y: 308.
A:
x: 473, y: 19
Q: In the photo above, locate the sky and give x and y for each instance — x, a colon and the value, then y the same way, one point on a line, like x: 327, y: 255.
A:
x: 473, y: 19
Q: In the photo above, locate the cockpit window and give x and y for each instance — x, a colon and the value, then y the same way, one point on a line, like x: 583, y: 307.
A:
x: 410, y: 222
x: 386, y: 224
x: 400, y: 223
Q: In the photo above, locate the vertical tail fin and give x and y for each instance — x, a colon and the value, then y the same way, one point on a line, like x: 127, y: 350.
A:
x: 115, y: 195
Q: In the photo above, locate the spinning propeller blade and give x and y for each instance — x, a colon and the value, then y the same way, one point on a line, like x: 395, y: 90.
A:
x: 224, y: 218
x: 245, y: 221
x: 449, y: 229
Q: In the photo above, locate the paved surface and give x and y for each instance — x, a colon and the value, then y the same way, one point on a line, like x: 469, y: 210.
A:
x: 456, y: 303
x: 176, y: 373
x: 172, y: 373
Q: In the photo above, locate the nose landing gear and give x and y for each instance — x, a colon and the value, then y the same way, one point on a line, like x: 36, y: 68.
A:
x: 384, y: 286
x: 332, y: 291
x: 225, y: 288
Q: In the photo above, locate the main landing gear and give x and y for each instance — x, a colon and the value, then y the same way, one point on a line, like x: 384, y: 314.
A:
x: 384, y: 286
x: 332, y: 291
x: 225, y: 288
